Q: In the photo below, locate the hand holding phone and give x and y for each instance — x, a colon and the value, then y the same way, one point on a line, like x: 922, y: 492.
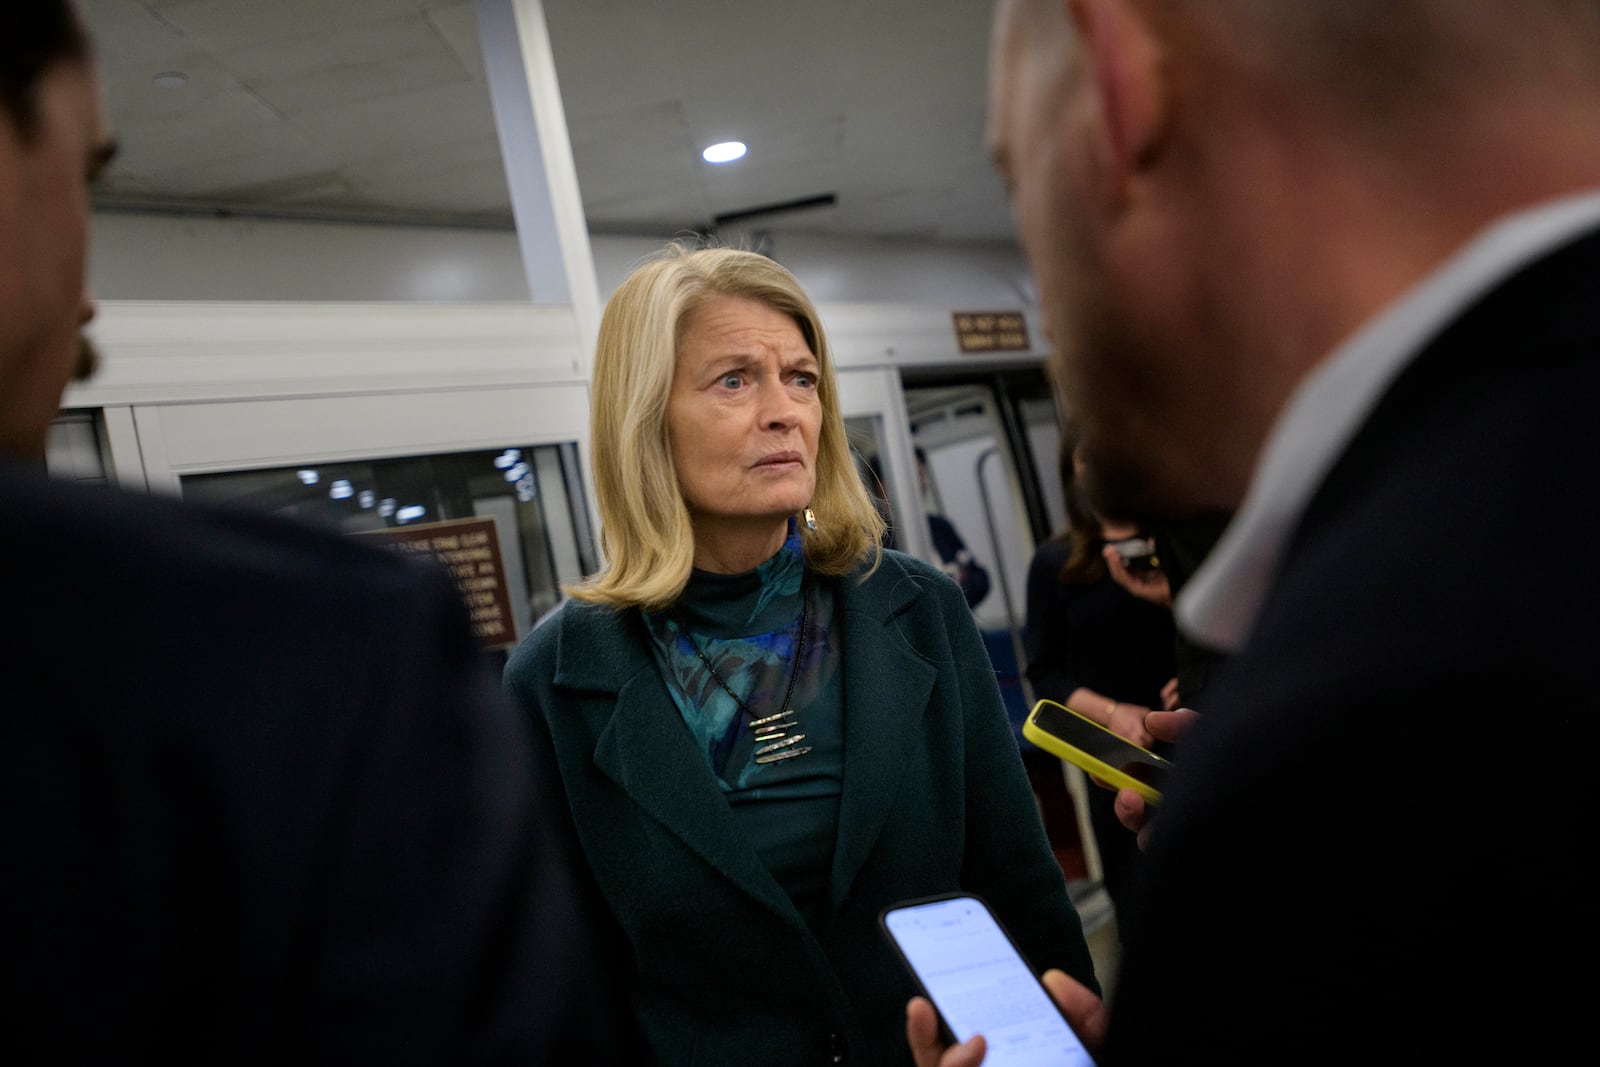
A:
x: 979, y: 983
x: 1147, y: 583
x: 1084, y: 743
x: 1138, y: 553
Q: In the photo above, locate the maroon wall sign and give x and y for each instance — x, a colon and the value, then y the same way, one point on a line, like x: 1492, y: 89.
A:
x: 470, y: 551
x: 992, y: 331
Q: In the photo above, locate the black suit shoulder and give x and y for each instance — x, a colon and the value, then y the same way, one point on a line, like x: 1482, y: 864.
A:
x: 1343, y: 840
x: 193, y: 550
x: 269, y: 805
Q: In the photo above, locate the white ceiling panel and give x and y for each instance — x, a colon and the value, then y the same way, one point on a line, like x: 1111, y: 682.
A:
x: 456, y: 22
x: 228, y: 124
x: 357, y: 82
x: 127, y: 31
x: 132, y: 85
x: 472, y: 189
x: 250, y: 175
x: 449, y: 113
x: 392, y: 41
x: 380, y: 109
x: 230, y: 25
x: 402, y: 166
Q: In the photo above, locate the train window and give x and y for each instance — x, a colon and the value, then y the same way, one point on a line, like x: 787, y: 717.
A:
x: 866, y: 436
x: 1041, y: 427
x: 534, y: 494
x: 73, y: 449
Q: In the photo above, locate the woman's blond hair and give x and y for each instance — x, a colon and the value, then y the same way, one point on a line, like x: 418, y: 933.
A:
x: 645, y: 534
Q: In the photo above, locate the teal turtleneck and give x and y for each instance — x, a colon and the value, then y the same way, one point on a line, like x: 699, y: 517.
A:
x: 747, y: 625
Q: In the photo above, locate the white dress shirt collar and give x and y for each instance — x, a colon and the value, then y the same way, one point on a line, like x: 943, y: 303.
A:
x: 1219, y: 606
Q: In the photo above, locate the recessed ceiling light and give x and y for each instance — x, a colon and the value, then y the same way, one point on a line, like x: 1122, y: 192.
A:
x: 726, y: 152
x: 171, y: 79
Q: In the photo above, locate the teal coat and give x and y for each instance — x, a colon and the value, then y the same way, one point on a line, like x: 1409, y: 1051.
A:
x: 720, y: 967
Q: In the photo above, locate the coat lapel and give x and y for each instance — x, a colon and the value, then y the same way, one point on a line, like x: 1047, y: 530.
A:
x: 644, y: 748
x: 886, y: 692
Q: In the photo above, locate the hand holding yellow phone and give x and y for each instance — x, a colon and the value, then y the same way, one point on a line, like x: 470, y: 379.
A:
x: 1102, y: 754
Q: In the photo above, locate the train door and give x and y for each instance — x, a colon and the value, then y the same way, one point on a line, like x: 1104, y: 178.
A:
x: 876, y: 423
x: 75, y: 449
x: 986, y: 445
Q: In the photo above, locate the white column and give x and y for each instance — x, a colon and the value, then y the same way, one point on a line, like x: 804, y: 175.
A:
x: 537, y: 150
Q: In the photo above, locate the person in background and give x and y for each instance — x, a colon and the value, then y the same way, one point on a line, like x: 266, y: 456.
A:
x: 954, y: 555
x: 1332, y: 264
x: 260, y: 802
x: 1103, y: 652
x: 955, y: 559
x: 1182, y: 546
x: 768, y: 728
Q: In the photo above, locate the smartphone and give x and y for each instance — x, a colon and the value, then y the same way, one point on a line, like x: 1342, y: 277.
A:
x: 1109, y: 757
x: 968, y: 966
x: 1138, y: 553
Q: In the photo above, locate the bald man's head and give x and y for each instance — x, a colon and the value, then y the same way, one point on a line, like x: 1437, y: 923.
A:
x: 1171, y: 163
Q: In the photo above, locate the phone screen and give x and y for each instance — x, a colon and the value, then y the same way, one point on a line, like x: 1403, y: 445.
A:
x: 981, y: 984
x: 1102, y: 744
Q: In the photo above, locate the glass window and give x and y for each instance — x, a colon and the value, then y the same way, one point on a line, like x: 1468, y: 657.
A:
x: 534, y: 494
x: 865, y: 433
x: 1042, y: 427
x: 73, y: 449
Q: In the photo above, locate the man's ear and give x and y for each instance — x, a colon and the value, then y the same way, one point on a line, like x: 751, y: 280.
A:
x: 1125, y: 66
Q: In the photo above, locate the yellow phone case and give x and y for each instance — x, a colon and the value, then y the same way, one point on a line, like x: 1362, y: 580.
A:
x: 1091, y: 764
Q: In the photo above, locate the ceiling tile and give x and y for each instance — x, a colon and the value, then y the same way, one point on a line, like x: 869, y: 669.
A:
x: 230, y: 25
x: 317, y: 50
x: 342, y: 85
x: 127, y: 31
x: 382, y: 106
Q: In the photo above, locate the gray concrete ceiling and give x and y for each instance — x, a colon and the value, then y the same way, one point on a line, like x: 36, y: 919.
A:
x: 379, y: 109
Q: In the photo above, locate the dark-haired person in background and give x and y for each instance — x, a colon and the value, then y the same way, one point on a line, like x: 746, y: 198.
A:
x: 262, y: 804
x: 1100, y: 650
x: 1181, y: 547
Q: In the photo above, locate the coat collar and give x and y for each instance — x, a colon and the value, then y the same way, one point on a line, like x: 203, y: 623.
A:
x: 643, y: 747
x: 887, y: 686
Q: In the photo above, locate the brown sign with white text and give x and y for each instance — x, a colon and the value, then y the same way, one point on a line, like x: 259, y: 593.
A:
x: 470, y: 551
x: 992, y: 331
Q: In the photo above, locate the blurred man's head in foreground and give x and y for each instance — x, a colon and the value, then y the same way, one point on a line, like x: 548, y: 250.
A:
x: 1213, y: 194
x: 53, y: 142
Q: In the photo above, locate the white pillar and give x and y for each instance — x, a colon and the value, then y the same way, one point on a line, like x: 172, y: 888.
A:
x: 537, y: 150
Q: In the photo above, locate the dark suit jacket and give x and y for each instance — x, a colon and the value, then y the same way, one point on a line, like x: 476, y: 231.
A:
x: 1378, y: 846
x: 259, y: 803
x: 724, y: 969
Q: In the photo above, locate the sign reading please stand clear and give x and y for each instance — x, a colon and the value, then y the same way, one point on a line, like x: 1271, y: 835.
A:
x: 470, y: 551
